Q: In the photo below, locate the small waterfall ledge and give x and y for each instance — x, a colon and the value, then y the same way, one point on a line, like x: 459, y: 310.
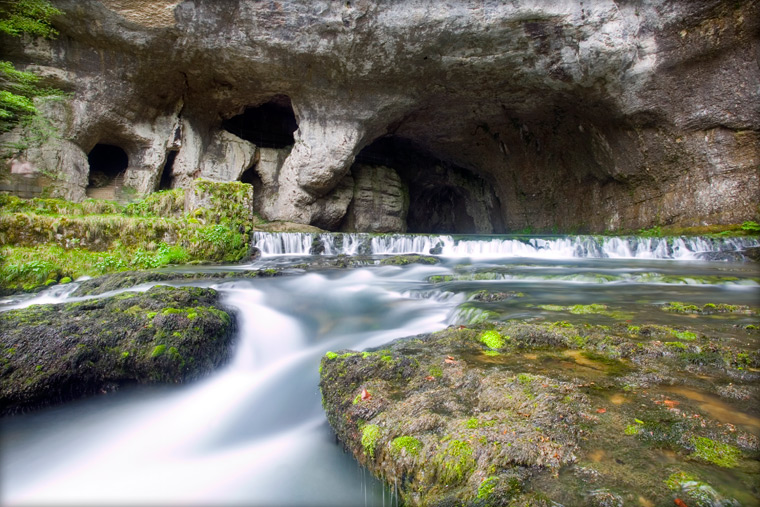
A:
x: 595, y: 247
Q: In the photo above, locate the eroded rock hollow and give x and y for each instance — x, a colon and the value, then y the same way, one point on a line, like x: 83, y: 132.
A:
x: 418, y: 115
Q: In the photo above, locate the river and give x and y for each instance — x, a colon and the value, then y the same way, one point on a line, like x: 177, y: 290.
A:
x: 254, y: 432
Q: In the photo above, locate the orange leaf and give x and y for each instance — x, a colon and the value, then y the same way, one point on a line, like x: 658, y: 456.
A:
x: 680, y: 503
x: 450, y: 360
x: 430, y: 377
x: 601, y: 410
x: 366, y: 395
x: 671, y: 403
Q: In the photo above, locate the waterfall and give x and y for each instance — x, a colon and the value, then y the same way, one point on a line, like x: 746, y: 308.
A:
x: 597, y: 247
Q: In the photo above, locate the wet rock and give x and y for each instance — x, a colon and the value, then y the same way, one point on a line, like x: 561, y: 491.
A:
x: 54, y: 353
x: 524, y: 413
x: 127, y: 279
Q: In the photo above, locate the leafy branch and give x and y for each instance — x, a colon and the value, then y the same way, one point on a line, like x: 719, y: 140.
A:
x: 18, y: 89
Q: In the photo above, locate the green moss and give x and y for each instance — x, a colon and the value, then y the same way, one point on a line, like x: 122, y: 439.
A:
x: 679, y: 307
x: 440, y: 278
x: 525, y: 378
x: 485, y: 490
x: 158, y: 350
x: 330, y: 355
x: 435, y: 371
x: 552, y: 308
x: 370, y: 435
x: 405, y: 445
x: 684, y: 335
x: 631, y: 429
x: 403, y: 260
x: 676, y: 479
x: 587, y: 309
x: 455, y: 461
x: 492, y: 339
x: 675, y: 345
x: 717, y: 453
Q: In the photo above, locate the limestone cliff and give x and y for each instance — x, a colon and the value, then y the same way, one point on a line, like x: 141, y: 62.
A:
x: 567, y: 114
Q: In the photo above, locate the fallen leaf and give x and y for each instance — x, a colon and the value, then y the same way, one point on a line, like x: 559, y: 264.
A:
x: 450, y: 360
x: 430, y: 377
x: 601, y: 410
x: 366, y: 395
x: 680, y: 503
x: 671, y: 403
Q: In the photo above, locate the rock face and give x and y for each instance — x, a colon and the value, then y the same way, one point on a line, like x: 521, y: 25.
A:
x: 380, y: 202
x: 535, y: 414
x: 53, y: 353
x: 575, y: 115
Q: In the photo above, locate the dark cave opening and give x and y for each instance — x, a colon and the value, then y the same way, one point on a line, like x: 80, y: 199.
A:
x: 439, y: 203
x: 166, y: 173
x: 107, y: 166
x: 269, y: 125
x: 251, y: 177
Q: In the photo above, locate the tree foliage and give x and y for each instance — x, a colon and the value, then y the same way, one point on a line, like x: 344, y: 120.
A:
x: 18, y: 88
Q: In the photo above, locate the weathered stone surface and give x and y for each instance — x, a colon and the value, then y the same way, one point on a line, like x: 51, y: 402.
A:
x: 534, y: 413
x: 380, y: 201
x: 53, y: 353
x: 576, y: 115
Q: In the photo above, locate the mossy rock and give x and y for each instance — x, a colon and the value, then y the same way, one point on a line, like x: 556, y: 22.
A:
x: 53, y: 353
x: 510, y: 413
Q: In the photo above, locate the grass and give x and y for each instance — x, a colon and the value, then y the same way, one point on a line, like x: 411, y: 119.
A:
x: 46, y: 241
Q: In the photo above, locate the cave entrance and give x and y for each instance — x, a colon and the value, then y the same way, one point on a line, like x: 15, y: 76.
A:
x: 269, y: 125
x: 167, y: 176
x: 443, y: 197
x: 107, y: 166
x: 251, y: 177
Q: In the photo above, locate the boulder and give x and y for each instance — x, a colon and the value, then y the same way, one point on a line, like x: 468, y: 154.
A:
x: 54, y: 353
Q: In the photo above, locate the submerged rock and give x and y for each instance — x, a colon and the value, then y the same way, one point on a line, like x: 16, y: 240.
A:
x: 531, y: 414
x: 53, y: 353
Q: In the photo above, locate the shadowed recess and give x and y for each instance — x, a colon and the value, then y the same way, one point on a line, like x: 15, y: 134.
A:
x: 270, y: 125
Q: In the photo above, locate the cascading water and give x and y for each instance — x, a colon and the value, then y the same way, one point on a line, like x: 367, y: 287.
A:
x: 254, y: 432
x: 271, y: 244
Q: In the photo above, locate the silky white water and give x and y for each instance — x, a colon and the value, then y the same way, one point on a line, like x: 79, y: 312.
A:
x: 254, y: 433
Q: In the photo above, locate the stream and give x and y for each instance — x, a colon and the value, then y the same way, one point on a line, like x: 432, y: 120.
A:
x: 254, y: 432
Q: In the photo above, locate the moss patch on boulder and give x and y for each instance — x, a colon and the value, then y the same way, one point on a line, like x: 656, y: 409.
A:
x: 522, y: 413
x: 52, y: 353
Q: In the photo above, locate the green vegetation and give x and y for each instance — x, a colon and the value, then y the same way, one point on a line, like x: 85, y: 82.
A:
x: 405, y: 445
x: 486, y: 488
x: 751, y: 227
x: 370, y: 435
x: 19, y: 89
x: 592, y: 309
x: 717, y: 453
x: 454, y: 461
x: 158, y: 350
x: 492, y: 339
x: 687, y: 308
x: 49, y: 240
x: 747, y: 228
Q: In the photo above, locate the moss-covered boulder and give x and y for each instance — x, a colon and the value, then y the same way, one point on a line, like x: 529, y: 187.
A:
x: 534, y: 413
x: 52, y: 353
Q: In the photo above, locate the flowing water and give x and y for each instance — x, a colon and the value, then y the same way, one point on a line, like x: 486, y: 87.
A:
x: 254, y: 432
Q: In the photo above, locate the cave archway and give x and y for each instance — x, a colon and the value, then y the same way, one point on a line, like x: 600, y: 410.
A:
x: 443, y: 198
x: 269, y: 125
x: 107, y: 166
